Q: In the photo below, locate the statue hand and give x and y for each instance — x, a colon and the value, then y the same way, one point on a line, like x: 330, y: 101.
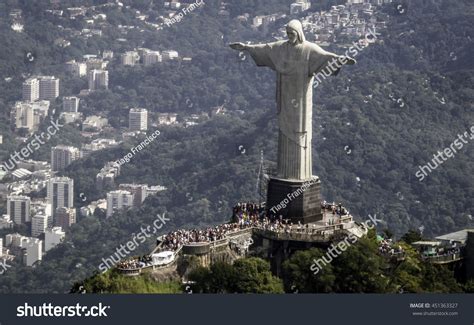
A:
x: 238, y: 46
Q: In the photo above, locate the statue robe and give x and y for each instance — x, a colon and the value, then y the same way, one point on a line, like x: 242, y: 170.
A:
x: 295, y: 66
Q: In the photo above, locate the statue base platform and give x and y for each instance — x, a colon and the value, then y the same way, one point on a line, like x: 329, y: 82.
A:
x: 295, y: 200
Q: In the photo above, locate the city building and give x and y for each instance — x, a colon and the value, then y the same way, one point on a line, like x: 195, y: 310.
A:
x: 65, y: 217
x: 48, y: 87
x: 23, y: 116
x: 90, y: 209
x: 33, y: 165
x: 118, y: 200
x: 71, y: 104
x: 30, y: 89
x: 98, y: 79
x: 53, y: 237
x: 107, y: 55
x: 151, y: 57
x: 98, y: 144
x: 167, y: 118
x: 63, y: 156
x: 68, y: 117
x: 39, y: 223
x: 6, y: 222
x: 169, y: 55
x: 96, y: 64
x: 139, y: 192
x: 138, y: 119
x: 94, y: 123
x: 106, y: 176
x: 42, y: 206
x: 60, y: 193
x: 18, y: 208
x: 299, y: 6
x: 129, y: 58
x: 32, y: 251
x: 77, y: 69
x: 28, y: 115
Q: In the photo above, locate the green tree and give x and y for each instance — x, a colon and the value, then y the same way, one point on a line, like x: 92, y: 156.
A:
x: 360, y: 269
x: 299, y: 277
x: 253, y: 275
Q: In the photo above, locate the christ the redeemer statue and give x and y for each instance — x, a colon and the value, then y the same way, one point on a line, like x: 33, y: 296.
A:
x: 296, y: 61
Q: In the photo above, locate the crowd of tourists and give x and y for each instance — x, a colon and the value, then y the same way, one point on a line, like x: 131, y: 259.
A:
x: 142, y: 261
x: 336, y: 209
x: 247, y: 215
x: 175, y: 239
x: 388, y: 248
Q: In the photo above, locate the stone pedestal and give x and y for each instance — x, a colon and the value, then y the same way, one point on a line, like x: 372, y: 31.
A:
x: 295, y: 200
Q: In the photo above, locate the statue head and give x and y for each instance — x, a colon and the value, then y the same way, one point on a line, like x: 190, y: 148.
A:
x: 294, y: 31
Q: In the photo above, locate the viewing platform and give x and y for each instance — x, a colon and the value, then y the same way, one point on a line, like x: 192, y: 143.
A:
x: 249, y: 224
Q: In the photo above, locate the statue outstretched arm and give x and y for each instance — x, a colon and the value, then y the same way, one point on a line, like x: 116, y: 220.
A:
x: 238, y: 46
x: 321, y: 59
x: 260, y: 53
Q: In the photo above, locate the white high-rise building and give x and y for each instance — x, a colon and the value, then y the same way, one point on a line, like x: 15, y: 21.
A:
x: 28, y: 115
x: 18, y: 208
x: 33, y: 251
x: 151, y: 57
x: 52, y: 237
x: 98, y: 79
x: 78, y: 69
x: 30, y: 90
x: 63, y: 156
x: 48, y: 87
x: 118, y: 200
x: 60, y: 193
x: 23, y: 116
x: 32, y: 248
x: 64, y: 217
x: 71, y: 104
x: 138, y: 119
x: 39, y: 224
x: 129, y: 58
